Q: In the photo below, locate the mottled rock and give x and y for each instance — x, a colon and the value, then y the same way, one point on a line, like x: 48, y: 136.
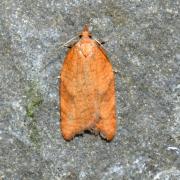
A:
x: 143, y: 43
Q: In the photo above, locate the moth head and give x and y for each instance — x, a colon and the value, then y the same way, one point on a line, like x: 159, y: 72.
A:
x: 85, y: 32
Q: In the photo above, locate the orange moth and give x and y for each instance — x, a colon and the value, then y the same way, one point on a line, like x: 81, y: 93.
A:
x: 87, y: 92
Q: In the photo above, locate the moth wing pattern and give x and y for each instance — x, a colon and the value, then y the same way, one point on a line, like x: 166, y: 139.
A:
x: 67, y: 93
x: 106, y: 92
x: 87, y: 91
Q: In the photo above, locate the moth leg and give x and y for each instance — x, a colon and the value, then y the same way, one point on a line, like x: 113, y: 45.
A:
x: 115, y: 70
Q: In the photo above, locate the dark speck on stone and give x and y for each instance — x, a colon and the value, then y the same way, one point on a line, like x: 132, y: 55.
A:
x: 143, y: 44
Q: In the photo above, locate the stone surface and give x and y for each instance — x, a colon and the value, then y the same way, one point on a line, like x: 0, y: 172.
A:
x: 143, y: 43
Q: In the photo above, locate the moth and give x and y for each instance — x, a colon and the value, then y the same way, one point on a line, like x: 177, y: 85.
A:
x: 87, y: 90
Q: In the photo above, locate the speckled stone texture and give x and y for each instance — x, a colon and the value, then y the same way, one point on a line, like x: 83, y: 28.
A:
x: 143, y: 43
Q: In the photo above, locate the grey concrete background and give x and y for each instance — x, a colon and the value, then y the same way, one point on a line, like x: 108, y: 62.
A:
x: 143, y: 43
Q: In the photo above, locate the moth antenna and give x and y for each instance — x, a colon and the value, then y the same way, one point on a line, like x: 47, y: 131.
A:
x: 59, y: 47
x: 97, y: 41
x: 100, y: 43
x: 65, y: 44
